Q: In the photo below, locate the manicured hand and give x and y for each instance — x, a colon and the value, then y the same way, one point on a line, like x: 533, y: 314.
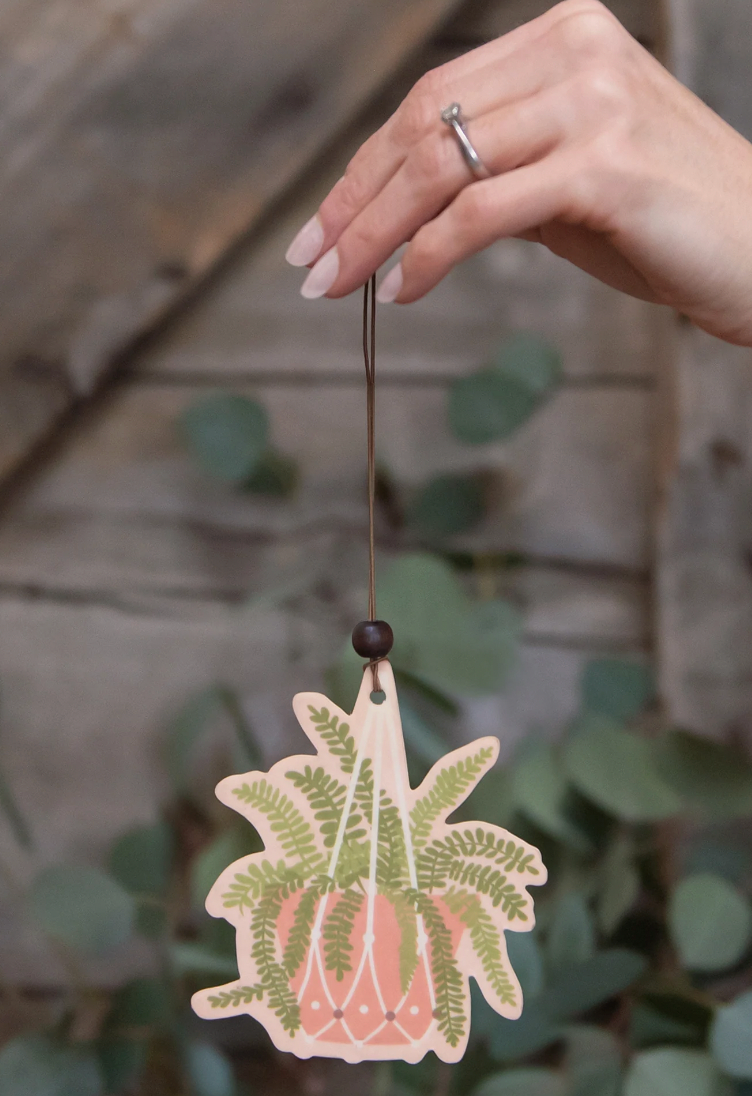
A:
x: 595, y: 151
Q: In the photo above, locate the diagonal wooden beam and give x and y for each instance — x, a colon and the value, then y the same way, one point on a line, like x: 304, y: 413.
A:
x: 138, y: 142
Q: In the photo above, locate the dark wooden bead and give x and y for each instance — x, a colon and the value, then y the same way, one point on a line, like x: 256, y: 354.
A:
x: 372, y: 639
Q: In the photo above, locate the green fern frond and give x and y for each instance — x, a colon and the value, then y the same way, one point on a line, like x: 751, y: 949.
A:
x: 327, y: 798
x: 486, y: 943
x: 336, y: 735
x: 299, y: 939
x: 391, y: 857
x: 485, y: 844
x: 274, y: 980
x: 408, y: 945
x: 337, y: 930
x: 485, y: 879
x: 242, y: 995
x: 295, y: 835
x: 257, y: 878
x: 449, y: 987
x: 352, y: 864
x: 448, y: 790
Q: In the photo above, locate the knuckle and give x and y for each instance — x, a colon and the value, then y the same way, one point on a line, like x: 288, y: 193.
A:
x: 429, y: 159
x: 589, y: 30
x: 418, y: 113
x: 604, y: 88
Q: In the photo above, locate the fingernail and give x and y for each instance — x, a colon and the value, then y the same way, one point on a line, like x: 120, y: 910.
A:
x: 323, y: 275
x: 307, y: 244
x: 391, y: 285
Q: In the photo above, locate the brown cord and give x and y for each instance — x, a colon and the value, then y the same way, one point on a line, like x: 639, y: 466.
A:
x: 369, y: 355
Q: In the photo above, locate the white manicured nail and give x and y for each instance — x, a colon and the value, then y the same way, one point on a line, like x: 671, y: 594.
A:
x: 391, y: 285
x: 307, y: 244
x: 323, y: 275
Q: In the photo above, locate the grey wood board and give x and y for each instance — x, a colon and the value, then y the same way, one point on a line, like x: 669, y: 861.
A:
x: 87, y: 692
x: 575, y: 483
x: 140, y: 144
x: 704, y: 580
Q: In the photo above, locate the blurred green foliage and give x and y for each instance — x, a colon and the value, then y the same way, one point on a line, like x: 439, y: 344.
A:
x: 637, y: 978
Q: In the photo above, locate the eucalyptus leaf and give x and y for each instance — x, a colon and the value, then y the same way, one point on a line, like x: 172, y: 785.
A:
x: 144, y: 1002
x: 274, y: 474
x: 189, y: 957
x: 527, y: 962
x: 228, y: 846
x: 731, y: 1037
x: 226, y: 434
x: 593, y: 1062
x: 671, y: 1071
x: 571, y: 935
x: 710, y: 922
x: 616, y: 688
x: 615, y: 769
x: 453, y: 643
x: 582, y: 987
x: 509, y: 1040
x: 619, y: 886
x: 447, y: 505
x: 491, y: 801
x: 141, y: 860
x: 83, y: 908
x: 121, y: 1062
x: 39, y: 1065
x: 420, y: 737
x: 713, y: 778
x: 209, y: 1070
x: 527, y: 1081
x: 650, y: 1027
x: 492, y: 403
x: 539, y: 791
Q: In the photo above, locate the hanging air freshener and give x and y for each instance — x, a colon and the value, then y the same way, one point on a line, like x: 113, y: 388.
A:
x: 360, y: 923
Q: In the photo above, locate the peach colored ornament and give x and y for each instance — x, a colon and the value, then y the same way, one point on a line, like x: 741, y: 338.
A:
x: 360, y: 923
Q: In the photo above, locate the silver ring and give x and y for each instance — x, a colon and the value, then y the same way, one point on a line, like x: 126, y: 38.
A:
x: 452, y: 115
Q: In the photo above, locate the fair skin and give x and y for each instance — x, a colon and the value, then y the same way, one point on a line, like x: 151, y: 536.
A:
x: 595, y: 151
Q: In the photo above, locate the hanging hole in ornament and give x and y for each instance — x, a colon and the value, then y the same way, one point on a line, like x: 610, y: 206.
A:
x: 378, y: 696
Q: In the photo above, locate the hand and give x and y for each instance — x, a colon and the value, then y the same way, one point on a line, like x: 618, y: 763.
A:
x: 595, y: 151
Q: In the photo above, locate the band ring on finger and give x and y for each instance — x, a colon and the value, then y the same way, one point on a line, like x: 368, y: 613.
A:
x: 452, y: 116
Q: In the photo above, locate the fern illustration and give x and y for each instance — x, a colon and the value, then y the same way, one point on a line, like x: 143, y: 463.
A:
x: 337, y: 931
x: 364, y: 883
x: 336, y: 735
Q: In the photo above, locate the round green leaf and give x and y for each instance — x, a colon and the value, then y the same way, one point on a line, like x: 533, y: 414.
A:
x: 141, y: 860
x: 539, y: 790
x: 209, y: 1071
x: 226, y: 434
x: 38, y: 1065
x: 82, y: 907
x: 710, y: 922
x: 274, y: 474
x: 535, y: 363
x: 731, y: 1037
x: 582, y: 987
x: 526, y: 960
x: 509, y: 1040
x: 227, y: 847
x: 620, y: 885
x: 144, y: 1002
x: 615, y: 769
x: 447, y: 505
x: 670, y: 1071
x: 712, y: 777
x: 489, y: 406
x: 616, y: 688
x: 529, y: 1081
x: 571, y: 937
x: 593, y: 1062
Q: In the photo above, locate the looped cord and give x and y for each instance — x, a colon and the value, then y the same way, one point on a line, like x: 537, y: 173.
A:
x: 369, y: 355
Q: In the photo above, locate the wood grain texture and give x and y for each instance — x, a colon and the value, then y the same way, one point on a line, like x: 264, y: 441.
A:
x: 138, y: 141
x: 705, y: 533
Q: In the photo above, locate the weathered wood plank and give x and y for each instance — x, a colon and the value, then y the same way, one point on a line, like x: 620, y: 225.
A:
x: 140, y: 145
x: 575, y: 482
x: 704, y: 579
